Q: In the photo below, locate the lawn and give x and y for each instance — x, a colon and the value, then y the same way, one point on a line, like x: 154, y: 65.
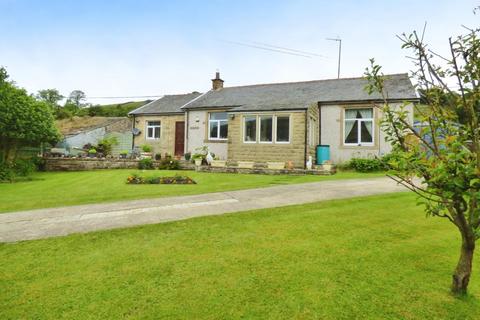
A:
x: 54, y: 189
x: 370, y: 258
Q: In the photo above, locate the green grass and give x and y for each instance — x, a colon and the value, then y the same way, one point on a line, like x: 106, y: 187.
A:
x: 54, y: 189
x: 369, y: 258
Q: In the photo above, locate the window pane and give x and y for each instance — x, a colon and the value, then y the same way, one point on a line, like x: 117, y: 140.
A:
x: 250, y: 129
x: 223, y: 129
x: 350, y: 113
x: 218, y: 116
x: 213, y: 129
x: 365, y: 113
x: 153, y: 123
x: 283, y: 129
x: 157, y: 132
x: 366, y: 132
x: 351, y: 131
x: 150, y: 132
x: 266, y: 128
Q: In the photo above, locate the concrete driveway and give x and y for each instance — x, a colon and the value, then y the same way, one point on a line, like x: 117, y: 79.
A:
x: 44, y: 223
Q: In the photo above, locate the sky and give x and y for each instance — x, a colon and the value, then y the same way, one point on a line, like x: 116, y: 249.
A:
x: 130, y: 48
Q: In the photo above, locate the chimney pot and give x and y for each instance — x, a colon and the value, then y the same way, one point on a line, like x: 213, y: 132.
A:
x: 217, y: 83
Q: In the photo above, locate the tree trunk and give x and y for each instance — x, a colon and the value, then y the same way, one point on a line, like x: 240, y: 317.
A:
x: 461, y: 276
x: 11, y: 152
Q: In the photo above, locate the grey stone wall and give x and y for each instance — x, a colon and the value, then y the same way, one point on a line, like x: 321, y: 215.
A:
x: 83, y: 164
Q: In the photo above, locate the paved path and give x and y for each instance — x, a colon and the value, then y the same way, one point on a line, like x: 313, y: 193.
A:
x: 44, y: 223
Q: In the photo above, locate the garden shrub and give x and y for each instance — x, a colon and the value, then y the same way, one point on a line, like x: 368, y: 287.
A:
x: 9, y: 171
x: 40, y: 163
x: 152, y: 180
x: 146, y: 148
x: 387, y: 160
x: 105, y: 145
x: 343, y: 166
x: 145, y: 164
x: 23, y: 167
x: 169, y: 164
x: 7, y: 174
x: 367, y: 165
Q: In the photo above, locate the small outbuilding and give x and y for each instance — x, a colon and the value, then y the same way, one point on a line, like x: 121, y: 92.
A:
x: 79, y: 131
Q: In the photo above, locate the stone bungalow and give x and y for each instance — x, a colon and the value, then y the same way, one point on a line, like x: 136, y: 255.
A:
x: 161, y: 124
x: 276, y: 122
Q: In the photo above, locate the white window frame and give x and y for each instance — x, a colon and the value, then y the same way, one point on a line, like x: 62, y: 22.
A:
x: 312, y: 126
x: 289, y: 128
x: 148, y: 126
x: 259, y: 123
x: 244, y: 128
x: 217, y: 138
x: 274, y: 128
x: 359, y: 128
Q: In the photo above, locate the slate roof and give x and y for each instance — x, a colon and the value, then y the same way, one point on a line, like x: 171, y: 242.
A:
x: 167, y: 104
x: 299, y: 95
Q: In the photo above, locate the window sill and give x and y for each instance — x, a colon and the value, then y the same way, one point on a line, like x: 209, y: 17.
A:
x: 365, y: 147
x: 215, y: 141
x: 267, y: 143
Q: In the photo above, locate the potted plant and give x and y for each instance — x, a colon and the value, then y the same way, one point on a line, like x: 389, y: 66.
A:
x: 198, y: 159
x: 146, y: 152
x: 123, y: 154
x: 290, y: 165
x: 188, y: 156
x: 92, y: 153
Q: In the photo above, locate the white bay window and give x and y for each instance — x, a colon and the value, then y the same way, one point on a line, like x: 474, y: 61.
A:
x: 266, y: 128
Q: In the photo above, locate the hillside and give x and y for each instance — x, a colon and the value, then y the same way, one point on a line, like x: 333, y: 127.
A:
x: 113, y: 110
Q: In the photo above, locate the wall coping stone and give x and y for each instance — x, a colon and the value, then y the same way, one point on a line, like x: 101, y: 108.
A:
x: 85, y: 164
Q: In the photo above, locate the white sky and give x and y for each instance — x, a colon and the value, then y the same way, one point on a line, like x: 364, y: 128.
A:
x: 136, y: 48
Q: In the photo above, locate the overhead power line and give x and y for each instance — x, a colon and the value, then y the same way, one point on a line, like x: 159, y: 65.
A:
x: 269, y: 47
x: 292, y: 50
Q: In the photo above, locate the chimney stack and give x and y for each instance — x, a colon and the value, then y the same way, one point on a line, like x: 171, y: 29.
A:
x: 217, y: 83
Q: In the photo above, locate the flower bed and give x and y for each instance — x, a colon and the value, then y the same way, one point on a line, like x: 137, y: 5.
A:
x: 136, y: 179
